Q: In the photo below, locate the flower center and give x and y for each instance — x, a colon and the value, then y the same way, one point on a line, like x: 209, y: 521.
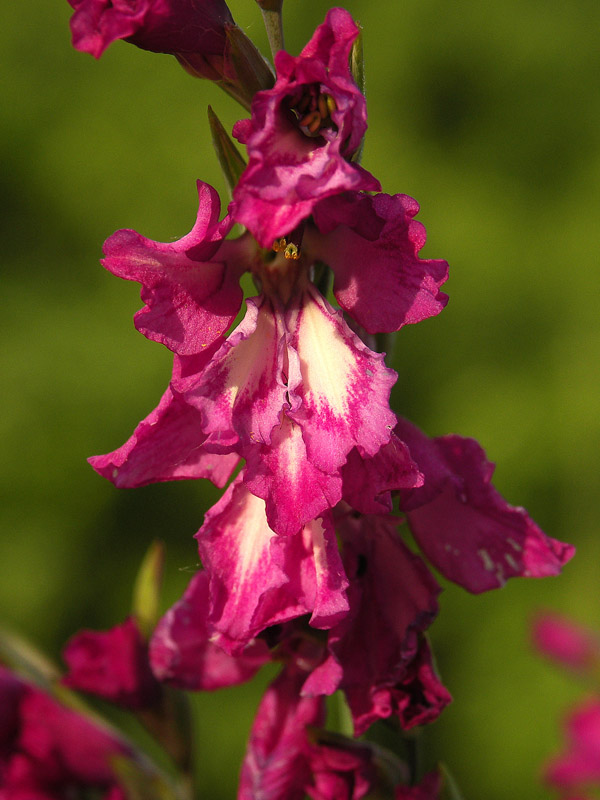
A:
x: 312, y: 109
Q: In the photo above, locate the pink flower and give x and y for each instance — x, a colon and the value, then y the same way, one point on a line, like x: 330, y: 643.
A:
x: 258, y: 578
x: 377, y: 654
x: 47, y: 750
x: 183, y: 655
x: 275, y: 766
x: 429, y: 789
x: 565, y: 642
x: 463, y: 525
x: 292, y: 389
x: 579, y: 766
x: 164, y: 26
x: 112, y: 664
x: 302, y: 135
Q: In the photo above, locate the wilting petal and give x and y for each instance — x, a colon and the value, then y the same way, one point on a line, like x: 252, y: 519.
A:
x: 345, y: 387
x: 169, y: 444
x: 294, y: 490
x: 291, y: 168
x: 417, y: 698
x: 258, y: 579
x: 112, y: 664
x: 368, y: 482
x: 463, y: 525
x: 398, y: 287
x: 567, y: 643
x: 275, y: 766
x: 182, y: 655
x: 191, y: 296
x: 393, y: 598
x: 241, y: 393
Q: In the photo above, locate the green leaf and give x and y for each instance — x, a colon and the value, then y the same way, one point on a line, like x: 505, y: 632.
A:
x: 450, y: 790
x: 140, y: 784
x: 147, y: 588
x: 232, y: 163
x: 252, y: 72
x: 357, y: 62
x: 27, y: 661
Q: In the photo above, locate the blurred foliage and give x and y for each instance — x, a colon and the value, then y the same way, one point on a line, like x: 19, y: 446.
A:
x: 488, y: 114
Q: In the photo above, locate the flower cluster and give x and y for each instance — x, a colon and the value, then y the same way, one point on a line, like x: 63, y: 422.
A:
x: 304, y: 558
x: 575, y: 773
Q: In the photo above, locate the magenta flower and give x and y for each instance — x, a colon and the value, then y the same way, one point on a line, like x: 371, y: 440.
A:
x: 275, y: 766
x: 302, y: 135
x: 48, y: 751
x: 163, y: 26
x: 463, y: 525
x: 183, y: 655
x: 259, y: 579
x: 292, y: 389
x: 429, y: 789
x: 579, y: 766
x: 112, y: 664
x: 571, y: 645
x: 376, y: 654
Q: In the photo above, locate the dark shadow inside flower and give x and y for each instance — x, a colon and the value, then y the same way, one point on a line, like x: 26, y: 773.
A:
x: 312, y: 107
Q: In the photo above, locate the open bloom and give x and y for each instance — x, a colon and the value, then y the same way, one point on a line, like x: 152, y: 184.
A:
x: 292, y: 389
x: 302, y: 134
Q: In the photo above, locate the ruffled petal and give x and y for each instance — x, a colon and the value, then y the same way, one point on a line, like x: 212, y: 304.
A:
x: 182, y: 654
x: 242, y: 391
x: 290, y: 168
x: 345, y: 387
x: 368, y: 482
x: 168, y: 445
x: 463, y: 525
x: 191, y: 299
x: 258, y: 579
x: 294, y: 490
x: 372, y: 246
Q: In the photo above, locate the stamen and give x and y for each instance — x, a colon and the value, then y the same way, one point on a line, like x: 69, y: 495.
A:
x: 311, y: 121
x: 331, y: 104
x: 292, y: 252
x: 279, y: 244
x: 323, y: 109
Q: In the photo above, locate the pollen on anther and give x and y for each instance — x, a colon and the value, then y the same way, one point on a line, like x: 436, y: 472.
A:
x: 292, y: 252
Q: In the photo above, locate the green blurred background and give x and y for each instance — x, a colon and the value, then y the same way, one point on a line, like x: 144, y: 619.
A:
x: 488, y: 114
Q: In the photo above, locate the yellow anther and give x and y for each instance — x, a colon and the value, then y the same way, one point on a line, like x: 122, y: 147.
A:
x: 279, y: 244
x: 292, y: 252
x: 311, y: 121
x: 322, y: 104
x: 331, y: 104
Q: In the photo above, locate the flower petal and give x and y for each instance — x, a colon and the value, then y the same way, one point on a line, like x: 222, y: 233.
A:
x: 182, y: 655
x: 241, y: 392
x: 191, y: 299
x: 345, y: 387
x: 398, y: 288
x: 463, y: 525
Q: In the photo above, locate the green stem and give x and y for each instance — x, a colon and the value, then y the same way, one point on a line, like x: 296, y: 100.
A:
x: 271, y: 12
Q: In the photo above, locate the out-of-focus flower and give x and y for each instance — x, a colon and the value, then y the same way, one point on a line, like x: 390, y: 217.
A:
x: 578, y: 768
x: 428, y: 789
x: 112, y: 664
x: 49, y: 751
x: 565, y: 642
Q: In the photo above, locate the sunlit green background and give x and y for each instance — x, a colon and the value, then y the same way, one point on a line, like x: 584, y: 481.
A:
x: 488, y: 114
